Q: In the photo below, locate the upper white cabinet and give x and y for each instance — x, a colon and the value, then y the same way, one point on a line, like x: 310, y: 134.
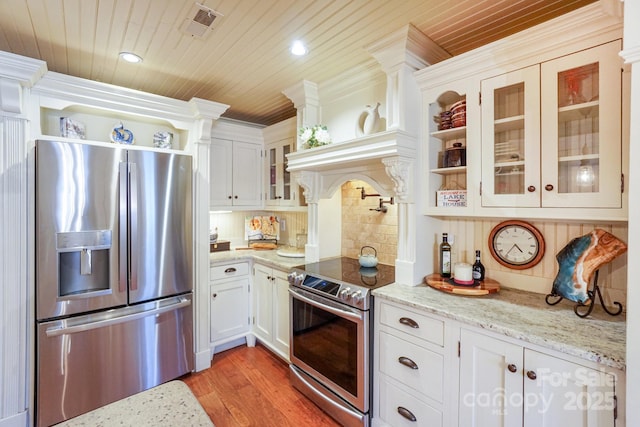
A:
x: 235, y: 168
x: 545, y: 129
x: 566, y: 111
x: 235, y: 174
x: 281, y: 191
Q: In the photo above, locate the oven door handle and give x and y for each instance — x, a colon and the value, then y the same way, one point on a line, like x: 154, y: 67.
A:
x: 329, y: 308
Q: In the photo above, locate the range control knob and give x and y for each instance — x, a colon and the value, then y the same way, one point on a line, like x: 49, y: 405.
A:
x: 344, y: 293
x: 356, y: 296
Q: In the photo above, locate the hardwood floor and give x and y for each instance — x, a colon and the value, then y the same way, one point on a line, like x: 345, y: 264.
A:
x: 249, y: 386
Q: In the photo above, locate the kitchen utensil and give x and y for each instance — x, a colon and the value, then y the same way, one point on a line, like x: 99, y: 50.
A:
x: 368, y: 260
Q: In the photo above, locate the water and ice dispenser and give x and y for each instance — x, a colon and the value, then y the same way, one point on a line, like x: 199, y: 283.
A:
x: 83, y: 262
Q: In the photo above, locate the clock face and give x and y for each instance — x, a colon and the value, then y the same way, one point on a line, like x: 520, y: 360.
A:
x: 516, y: 244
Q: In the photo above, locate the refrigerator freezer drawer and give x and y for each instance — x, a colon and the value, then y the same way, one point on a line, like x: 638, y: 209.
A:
x: 86, y: 362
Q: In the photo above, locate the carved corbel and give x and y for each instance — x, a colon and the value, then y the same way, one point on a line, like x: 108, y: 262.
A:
x: 400, y: 170
x: 310, y: 183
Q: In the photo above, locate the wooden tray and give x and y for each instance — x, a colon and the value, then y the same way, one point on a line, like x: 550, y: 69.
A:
x: 487, y: 286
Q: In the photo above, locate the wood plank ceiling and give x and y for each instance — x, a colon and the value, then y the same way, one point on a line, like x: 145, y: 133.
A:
x: 244, y: 59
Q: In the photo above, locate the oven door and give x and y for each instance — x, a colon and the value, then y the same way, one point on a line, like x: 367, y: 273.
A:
x: 330, y: 342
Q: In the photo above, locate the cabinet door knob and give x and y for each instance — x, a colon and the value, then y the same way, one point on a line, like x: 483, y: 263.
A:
x: 235, y: 197
x: 512, y: 368
x: 407, y: 362
x: 409, y: 322
x: 229, y: 197
x: 214, y: 296
x: 407, y: 414
x: 548, y: 187
x: 531, y: 375
x: 531, y: 188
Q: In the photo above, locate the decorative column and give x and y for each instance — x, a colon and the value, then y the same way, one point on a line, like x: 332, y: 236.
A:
x: 17, y: 74
x: 205, y: 112
x: 304, y: 96
x: 400, y: 54
x: 309, y: 181
x: 631, y: 55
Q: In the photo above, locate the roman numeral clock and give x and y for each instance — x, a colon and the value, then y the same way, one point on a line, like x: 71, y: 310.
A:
x: 516, y: 244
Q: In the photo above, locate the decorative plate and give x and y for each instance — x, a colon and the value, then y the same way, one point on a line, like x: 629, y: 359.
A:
x: 120, y: 135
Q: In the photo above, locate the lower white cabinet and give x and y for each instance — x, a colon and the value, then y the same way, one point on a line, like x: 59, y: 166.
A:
x: 229, y: 304
x: 505, y: 384
x: 434, y: 371
x: 271, y: 309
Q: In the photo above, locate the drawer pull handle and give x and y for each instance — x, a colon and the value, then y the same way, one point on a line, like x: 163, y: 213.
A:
x: 531, y: 375
x: 407, y: 362
x: 409, y: 322
x: 512, y: 368
x: 230, y: 270
x: 407, y: 414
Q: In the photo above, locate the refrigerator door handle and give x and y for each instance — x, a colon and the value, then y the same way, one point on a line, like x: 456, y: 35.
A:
x: 123, y: 262
x: 56, y: 331
x: 133, y: 223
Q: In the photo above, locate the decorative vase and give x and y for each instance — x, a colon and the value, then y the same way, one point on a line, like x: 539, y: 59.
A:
x: 368, y: 121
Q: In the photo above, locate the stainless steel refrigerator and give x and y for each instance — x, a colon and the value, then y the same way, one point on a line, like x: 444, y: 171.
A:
x: 114, y: 277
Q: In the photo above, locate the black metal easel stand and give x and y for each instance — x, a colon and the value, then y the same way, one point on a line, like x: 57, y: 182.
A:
x: 579, y: 306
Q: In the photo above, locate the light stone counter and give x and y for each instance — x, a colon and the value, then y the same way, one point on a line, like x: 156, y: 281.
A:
x: 268, y: 257
x: 170, y: 404
x: 527, y: 317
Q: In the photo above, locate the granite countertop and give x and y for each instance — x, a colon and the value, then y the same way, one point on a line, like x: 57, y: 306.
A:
x: 169, y: 404
x: 267, y: 257
x: 525, y: 316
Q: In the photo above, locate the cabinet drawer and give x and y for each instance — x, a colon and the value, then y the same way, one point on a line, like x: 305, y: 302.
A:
x: 416, y: 367
x: 394, y: 402
x: 229, y: 270
x: 413, y: 323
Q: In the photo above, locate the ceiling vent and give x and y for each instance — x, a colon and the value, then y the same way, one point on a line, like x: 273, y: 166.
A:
x: 200, y: 20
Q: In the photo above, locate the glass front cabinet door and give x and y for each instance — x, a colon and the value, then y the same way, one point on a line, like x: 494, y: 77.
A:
x: 581, y: 132
x: 551, y: 133
x: 281, y: 191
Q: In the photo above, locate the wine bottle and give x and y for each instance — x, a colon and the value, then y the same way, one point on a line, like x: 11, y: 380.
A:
x: 478, y: 268
x: 445, y: 257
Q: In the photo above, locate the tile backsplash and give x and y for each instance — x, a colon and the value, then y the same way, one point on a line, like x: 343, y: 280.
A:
x: 231, y: 225
x: 362, y: 226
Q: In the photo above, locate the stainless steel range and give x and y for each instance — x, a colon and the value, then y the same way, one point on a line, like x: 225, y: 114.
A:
x: 332, y: 336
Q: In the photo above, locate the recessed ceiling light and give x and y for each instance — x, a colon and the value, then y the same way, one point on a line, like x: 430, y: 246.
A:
x: 130, y: 57
x: 298, y: 48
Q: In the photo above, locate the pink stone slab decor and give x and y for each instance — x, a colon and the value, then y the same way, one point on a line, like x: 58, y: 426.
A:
x: 579, y: 260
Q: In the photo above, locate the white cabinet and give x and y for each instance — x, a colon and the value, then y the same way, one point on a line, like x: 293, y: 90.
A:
x: 271, y: 309
x: 502, y: 383
x: 235, y: 174
x: 281, y: 190
x: 566, y: 111
x: 410, y: 368
x: 229, y: 303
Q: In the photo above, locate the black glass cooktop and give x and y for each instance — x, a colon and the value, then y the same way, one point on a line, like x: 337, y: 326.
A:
x: 348, y: 270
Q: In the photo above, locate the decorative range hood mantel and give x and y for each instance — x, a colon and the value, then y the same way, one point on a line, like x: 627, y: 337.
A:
x: 364, y: 151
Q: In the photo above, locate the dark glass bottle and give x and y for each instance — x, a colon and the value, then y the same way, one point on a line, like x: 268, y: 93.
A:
x: 478, y: 268
x: 445, y: 257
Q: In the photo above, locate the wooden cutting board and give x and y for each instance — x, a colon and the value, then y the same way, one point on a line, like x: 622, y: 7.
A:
x: 487, y: 286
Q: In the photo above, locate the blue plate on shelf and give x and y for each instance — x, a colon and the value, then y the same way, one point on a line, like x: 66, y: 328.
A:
x: 120, y: 135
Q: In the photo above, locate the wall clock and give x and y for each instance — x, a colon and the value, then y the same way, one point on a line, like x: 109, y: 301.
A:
x: 516, y: 244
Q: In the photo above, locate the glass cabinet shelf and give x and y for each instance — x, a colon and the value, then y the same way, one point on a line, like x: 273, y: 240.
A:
x: 509, y: 123
x: 579, y: 158
x: 577, y: 111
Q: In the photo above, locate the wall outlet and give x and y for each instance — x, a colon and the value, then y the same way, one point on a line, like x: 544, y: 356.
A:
x: 283, y: 224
